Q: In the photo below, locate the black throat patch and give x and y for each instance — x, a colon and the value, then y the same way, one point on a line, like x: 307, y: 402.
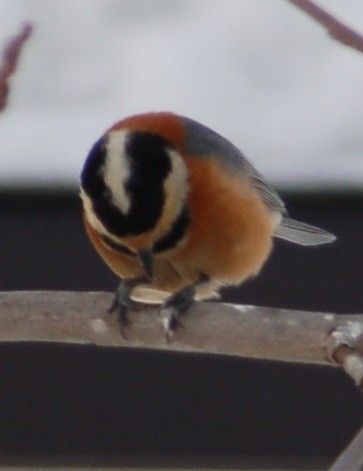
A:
x: 150, y: 165
x: 176, y: 232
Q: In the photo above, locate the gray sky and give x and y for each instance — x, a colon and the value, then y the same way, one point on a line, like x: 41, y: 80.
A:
x: 258, y: 71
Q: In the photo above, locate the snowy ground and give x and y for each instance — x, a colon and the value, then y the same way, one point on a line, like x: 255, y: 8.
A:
x: 258, y: 71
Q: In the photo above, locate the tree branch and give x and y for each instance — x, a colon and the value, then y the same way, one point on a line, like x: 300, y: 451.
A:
x: 338, y: 30
x: 212, y: 328
x: 352, y: 457
x: 9, y: 59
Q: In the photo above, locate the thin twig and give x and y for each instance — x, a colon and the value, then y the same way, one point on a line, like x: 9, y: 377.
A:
x: 352, y: 457
x: 211, y: 328
x: 335, y: 28
x: 9, y: 59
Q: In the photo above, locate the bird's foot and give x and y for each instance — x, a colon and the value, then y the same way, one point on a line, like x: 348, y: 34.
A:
x: 174, y: 307
x: 122, y: 303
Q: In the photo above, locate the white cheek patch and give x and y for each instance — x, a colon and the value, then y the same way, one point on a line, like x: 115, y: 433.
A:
x: 175, y: 185
x: 90, y: 215
x: 116, y: 170
x: 178, y: 171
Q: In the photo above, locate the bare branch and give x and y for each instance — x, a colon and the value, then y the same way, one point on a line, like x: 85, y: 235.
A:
x: 9, y: 59
x: 336, y: 28
x: 352, y: 457
x: 213, y: 328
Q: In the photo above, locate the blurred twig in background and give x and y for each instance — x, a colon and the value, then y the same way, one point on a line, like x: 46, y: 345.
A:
x: 335, y: 28
x: 9, y: 59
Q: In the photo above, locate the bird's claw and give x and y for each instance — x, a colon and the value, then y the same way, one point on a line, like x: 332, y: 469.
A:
x: 121, y: 304
x: 170, y: 321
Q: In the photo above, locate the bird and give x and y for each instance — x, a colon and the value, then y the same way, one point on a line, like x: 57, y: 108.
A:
x: 170, y: 204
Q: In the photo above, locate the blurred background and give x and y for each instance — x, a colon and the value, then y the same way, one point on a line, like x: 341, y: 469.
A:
x: 272, y: 81
x: 261, y: 73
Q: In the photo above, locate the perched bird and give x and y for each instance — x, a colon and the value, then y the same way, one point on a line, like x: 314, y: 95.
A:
x: 173, y: 204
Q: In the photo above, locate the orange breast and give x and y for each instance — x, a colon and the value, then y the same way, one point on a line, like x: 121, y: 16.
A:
x: 230, y: 234
x: 124, y: 265
x: 128, y: 266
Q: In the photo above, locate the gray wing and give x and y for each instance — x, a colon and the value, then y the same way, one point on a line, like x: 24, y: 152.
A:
x: 203, y: 141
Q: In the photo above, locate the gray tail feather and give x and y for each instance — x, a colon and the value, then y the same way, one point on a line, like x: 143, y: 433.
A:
x: 301, y: 233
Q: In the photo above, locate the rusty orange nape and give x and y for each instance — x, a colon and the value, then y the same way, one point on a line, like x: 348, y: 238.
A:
x: 168, y: 125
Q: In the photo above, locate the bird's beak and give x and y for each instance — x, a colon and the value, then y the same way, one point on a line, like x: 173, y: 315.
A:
x: 145, y: 257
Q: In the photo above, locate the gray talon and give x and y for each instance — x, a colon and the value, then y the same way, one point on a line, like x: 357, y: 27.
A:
x: 170, y: 322
x: 122, y: 303
x: 176, y: 305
